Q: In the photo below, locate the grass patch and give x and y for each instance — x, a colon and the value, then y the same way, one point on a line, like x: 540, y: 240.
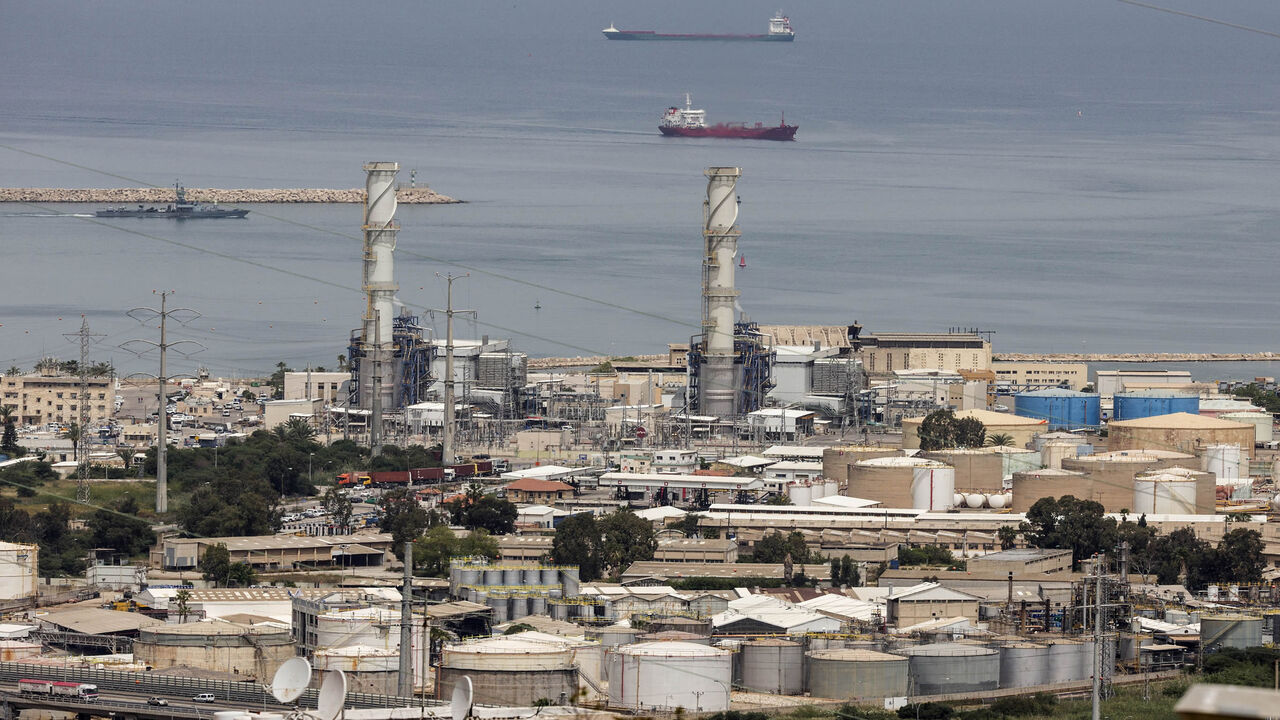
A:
x: 104, y: 493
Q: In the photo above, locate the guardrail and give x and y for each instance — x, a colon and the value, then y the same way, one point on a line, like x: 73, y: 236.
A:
x: 172, y: 685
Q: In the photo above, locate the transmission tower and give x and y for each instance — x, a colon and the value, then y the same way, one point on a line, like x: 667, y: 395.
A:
x: 183, y: 316
x: 85, y: 338
x: 446, y: 445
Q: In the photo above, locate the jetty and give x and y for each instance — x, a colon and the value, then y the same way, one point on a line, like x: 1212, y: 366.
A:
x: 404, y: 195
x: 1140, y: 357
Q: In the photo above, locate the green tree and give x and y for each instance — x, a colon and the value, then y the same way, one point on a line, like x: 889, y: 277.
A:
x: 73, y: 433
x: 1239, y: 556
x: 999, y: 440
x: 477, y: 509
x: 931, y: 555
x: 336, y: 503
x: 9, y: 441
x: 577, y: 542
x: 941, y: 430
x: 215, y: 564
x: 1008, y: 536
x: 182, y: 600
x: 970, y: 432
x: 605, y: 546
x: 774, y: 548
x: 121, y: 529
x: 687, y: 525
x: 229, y: 505
x: 1182, y: 557
x: 433, y: 551
x: 402, y: 516
x: 1069, y: 523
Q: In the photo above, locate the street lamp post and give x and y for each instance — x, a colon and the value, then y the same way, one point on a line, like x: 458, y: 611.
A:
x: 309, y: 480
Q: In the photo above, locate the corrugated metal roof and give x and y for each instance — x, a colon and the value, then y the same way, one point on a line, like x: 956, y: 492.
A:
x: 96, y: 621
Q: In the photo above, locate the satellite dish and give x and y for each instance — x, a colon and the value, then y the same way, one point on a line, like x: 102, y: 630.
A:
x: 333, y: 695
x: 461, y: 704
x: 291, y: 680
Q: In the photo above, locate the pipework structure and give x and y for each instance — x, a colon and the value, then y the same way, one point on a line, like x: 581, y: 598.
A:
x: 730, y: 364
x: 388, y: 347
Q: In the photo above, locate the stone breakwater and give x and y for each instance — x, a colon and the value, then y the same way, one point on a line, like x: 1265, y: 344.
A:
x: 408, y: 196
x: 1139, y: 357
x: 588, y: 362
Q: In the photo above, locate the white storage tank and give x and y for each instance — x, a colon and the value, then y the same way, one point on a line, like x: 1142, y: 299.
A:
x: 18, y: 563
x: 1054, y: 452
x: 670, y: 675
x: 800, y: 493
x: 1067, y: 658
x: 1263, y: 424
x: 957, y: 499
x: 510, y: 671
x: 1223, y: 461
x: 856, y: 673
x: 1000, y: 500
x: 772, y: 665
x: 1014, y: 460
x: 932, y: 488
x: 888, y: 479
x: 1164, y: 494
x: 830, y: 488
x: 1024, y: 665
x: 975, y: 500
x: 944, y: 668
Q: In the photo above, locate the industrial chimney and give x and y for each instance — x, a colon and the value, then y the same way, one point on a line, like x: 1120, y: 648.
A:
x: 719, y: 382
x: 379, y: 277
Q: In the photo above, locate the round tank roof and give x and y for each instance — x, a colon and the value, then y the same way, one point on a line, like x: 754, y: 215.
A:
x: 1164, y: 477
x: 961, y: 451
x: 506, y: 645
x: 912, y: 462
x: 1121, y: 456
x: 1055, y: 392
x: 671, y: 635
x: 771, y: 642
x: 1049, y: 472
x: 1156, y: 394
x: 1157, y: 453
x: 667, y: 648
x: 1025, y: 646
x: 1231, y: 617
x: 1182, y: 472
x: 854, y: 655
x: 950, y: 650
x: 211, y: 628
x: 1009, y: 450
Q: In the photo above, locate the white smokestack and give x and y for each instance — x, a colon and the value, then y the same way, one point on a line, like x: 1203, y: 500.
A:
x: 379, y: 246
x: 719, y: 297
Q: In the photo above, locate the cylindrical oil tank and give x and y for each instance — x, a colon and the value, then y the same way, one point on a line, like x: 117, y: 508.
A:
x: 1087, y: 659
x: 492, y: 576
x: 999, y: 501
x: 512, y: 576
x: 932, y: 488
x: 957, y: 500
x: 1111, y: 475
x: 1066, y: 658
x: 837, y: 461
x: 1064, y: 409
x: 771, y: 665
x: 1024, y: 665
x: 538, y: 605
x: 1149, y: 403
x: 569, y: 576
x: 1163, y: 494
x: 800, y: 493
x: 470, y: 576
x: 669, y: 675
x: 1263, y: 424
x: 1030, y: 486
x: 976, y: 469
x: 857, y: 673
x: 1041, y: 439
x: 550, y: 576
x: 830, y: 487
x: 611, y: 636
x: 1223, y: 461
x: 888, y: 479
x: 532, y: 576
x: 510, y: 671
x: 1230, y: 631
x: 943, y: 668
x: 500, y: 603
x: 1014, y: 460
x: 518, y: 607
x: 1055, y: 451
x: 559, y: 611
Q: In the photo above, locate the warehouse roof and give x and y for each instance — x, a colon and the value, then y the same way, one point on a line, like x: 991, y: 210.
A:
x: 991, y: 418
x: 529, y: 484
x: 96, y: 621
x: 1179, y: 421
x: 745, y: 571
x: 794, y: 451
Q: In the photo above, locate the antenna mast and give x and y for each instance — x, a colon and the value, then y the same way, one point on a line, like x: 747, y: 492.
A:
x: 82, y: 402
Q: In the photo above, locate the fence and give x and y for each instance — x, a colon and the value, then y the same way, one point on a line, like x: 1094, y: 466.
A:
x: 153, y: 684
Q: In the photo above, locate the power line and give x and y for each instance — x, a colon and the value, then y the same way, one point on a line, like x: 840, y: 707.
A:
x: 1201, y: 18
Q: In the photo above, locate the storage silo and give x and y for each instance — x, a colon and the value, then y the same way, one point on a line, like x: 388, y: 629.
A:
x: 469, y: 575
x: 1264, y: 430
x: 888, y: 479
x: 772, y: 665
x: 1053, y: 453
x: 932, y: 488
x: 1030, y: 486
x: 943, y: 668
x: 611, y: 636
x: 500, y: 602
x: 18, y: 570
x: 1024, y: 664
x: 800, y: 493
x: 1064, y: 409
x: 1230, y: 631
x: 492, y: 576
x: 856, y: 673
x: 1223, y: 461
x: 838, y: 461
x: 670, y: 675
x: 512, y: 576
x: 976, y: 469
x: 1206, y: 486
x: 1014, y: 460
x: 510, y: 671
x: 368, y: 669
x: 550, y: 576
x: 1066, y: 659
x: 1041, y: 439
x: 1163, y: 494
x: 1111, y: 476
x: 1137, y: 404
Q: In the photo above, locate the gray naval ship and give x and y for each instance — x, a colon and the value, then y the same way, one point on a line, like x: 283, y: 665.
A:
x: 181, y: 210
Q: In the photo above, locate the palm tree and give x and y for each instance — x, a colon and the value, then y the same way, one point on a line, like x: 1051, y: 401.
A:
x: 299, y: 430
x: 73, y: 434
x: 999, y: 440
x: 1008, y: 536
x: 13, y: 370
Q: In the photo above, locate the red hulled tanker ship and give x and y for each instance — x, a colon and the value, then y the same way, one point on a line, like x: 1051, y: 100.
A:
x: 779, y: 31
x: 687, y: 122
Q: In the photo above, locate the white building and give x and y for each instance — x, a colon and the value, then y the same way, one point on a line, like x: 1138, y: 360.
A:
x: 677, y: 462
x: 18, y: 570
x: 329, y: 387
x: 781, y: 423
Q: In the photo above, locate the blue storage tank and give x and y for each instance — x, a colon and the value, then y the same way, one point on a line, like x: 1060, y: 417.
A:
x: 1149, y: 403
x: 1064, y: 409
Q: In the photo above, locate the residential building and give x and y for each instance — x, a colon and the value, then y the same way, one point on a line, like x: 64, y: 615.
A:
x: 673, y: 462
x: 1020, y: 375
x: 534, y: 490
x: 328, y: 387
x: 49, y: 397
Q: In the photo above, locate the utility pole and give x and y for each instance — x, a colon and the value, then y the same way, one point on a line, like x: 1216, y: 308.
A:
x: 405, y: 686
x: 1097, y: 640
x: 446, y: 446
x: 82, y: 406
x: 183, y: 315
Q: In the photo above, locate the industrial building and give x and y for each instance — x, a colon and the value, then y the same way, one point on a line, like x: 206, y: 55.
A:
x: 367, y: 622
x: 883, y: 353
x: 1026, y: 375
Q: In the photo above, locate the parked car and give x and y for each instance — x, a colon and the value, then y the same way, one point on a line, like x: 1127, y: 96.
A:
x: 159, y: 701
x: 204, y: 698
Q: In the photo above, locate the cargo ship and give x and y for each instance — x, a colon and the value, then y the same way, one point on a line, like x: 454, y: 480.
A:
x: 180, y: 210
x: 779, y: 31
x: 687, y: 122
